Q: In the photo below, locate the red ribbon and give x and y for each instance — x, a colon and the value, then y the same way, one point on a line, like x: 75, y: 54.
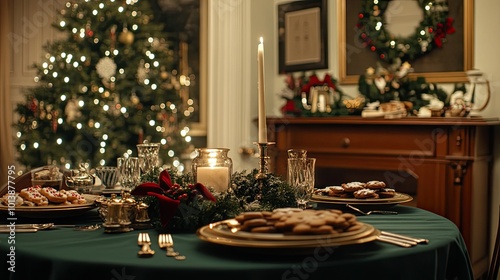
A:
x: 168, y: 206
x: 314, y: 81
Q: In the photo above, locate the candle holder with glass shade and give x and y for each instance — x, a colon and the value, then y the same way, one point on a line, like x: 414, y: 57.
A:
x: 480, y: 92
x: 466, y: 102
x: 213, y: 168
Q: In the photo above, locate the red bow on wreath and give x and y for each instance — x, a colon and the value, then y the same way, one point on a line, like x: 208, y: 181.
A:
x: 314, y: 81
x: 441, y: 30
x: 168, y: 205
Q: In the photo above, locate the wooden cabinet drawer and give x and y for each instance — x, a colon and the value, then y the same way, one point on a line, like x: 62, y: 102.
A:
x: 360, y: 139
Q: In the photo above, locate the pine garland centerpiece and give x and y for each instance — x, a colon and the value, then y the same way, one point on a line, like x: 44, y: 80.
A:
x: 177, y: 203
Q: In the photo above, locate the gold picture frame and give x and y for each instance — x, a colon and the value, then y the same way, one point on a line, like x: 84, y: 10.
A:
x: 446, y: 65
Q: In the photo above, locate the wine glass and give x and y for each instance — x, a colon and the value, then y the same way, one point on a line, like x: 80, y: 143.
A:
x: 301, y: 178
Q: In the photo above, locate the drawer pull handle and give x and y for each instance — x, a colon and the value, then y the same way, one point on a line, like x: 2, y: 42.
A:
x: 346, y: 142
x: 459, y: 141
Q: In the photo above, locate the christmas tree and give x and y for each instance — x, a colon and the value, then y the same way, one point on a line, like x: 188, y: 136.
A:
x: 110, y: 84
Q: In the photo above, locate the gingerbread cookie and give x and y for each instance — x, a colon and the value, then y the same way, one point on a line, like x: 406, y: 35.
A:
x: 297, y: 221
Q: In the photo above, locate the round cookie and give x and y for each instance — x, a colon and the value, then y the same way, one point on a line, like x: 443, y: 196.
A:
x: 338, y: 191
x: 365, y: 193
x: 375, y: 185
x: 353, y: 186
x: 386, y: 193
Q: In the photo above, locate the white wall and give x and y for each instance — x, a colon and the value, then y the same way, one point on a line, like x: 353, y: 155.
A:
x: 487, y: 58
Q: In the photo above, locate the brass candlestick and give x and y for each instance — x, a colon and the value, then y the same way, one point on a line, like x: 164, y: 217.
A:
x: 263, y: 165
x: 263, y: 160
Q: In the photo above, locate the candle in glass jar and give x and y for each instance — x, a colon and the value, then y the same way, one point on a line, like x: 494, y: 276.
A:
x: 261, y: 85
x: 215, y: 177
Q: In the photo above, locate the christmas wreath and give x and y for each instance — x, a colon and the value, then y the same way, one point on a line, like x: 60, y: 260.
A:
x: 177, y: 203
x: 429, y: 34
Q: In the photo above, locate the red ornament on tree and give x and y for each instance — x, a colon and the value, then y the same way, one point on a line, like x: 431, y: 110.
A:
x: 33, y: 105
x: 88, y: 31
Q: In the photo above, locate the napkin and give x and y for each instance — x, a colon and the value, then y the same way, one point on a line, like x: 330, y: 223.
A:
x: 168, y: 206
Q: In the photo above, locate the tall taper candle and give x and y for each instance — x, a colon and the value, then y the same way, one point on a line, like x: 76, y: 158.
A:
x: 261, y: 86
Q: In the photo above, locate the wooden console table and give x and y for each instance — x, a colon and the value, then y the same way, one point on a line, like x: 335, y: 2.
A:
x: 444, y: 163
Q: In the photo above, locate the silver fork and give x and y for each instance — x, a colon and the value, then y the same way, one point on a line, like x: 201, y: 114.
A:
x: 166, y: 241
x: 372, y: 211
x: 144, y: 241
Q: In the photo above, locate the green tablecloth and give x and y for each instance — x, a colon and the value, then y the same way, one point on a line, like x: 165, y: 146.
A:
x: 66, y: 254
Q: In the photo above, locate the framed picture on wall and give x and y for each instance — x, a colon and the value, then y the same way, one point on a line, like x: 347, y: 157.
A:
x: 446, y: 64
x: 303, y: 42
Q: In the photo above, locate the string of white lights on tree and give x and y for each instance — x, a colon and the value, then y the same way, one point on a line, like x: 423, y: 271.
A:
x: 110, y: 84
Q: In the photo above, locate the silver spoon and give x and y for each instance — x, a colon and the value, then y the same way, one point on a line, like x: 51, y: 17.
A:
x: 372, y: 211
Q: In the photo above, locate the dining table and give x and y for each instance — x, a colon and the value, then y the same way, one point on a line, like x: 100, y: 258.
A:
x: 61, y: 253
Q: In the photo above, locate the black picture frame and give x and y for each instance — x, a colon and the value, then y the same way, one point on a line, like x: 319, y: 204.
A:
x: 303, y: 36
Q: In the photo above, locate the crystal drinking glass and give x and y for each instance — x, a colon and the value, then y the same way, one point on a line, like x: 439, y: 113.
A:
x: 130, y: 173
x: 148, y: 156
x: 301, y: 178
x: 108, y: 175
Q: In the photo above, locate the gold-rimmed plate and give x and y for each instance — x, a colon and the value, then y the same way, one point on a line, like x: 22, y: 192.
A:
x: 366, y: 203
x: 229, y: 229
x: 52, y: 210
x: 219, y: 233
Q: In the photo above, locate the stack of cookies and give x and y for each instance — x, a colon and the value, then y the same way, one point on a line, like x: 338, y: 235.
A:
x: 370, y: 189
x: 296, y: 221
x: 43, y: 196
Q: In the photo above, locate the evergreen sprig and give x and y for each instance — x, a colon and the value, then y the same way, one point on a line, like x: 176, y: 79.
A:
x: 246, y: 194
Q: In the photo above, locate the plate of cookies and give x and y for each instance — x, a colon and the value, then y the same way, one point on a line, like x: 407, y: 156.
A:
x: 289, y: 228
x: 371, y: 193
x: 46, y: 202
